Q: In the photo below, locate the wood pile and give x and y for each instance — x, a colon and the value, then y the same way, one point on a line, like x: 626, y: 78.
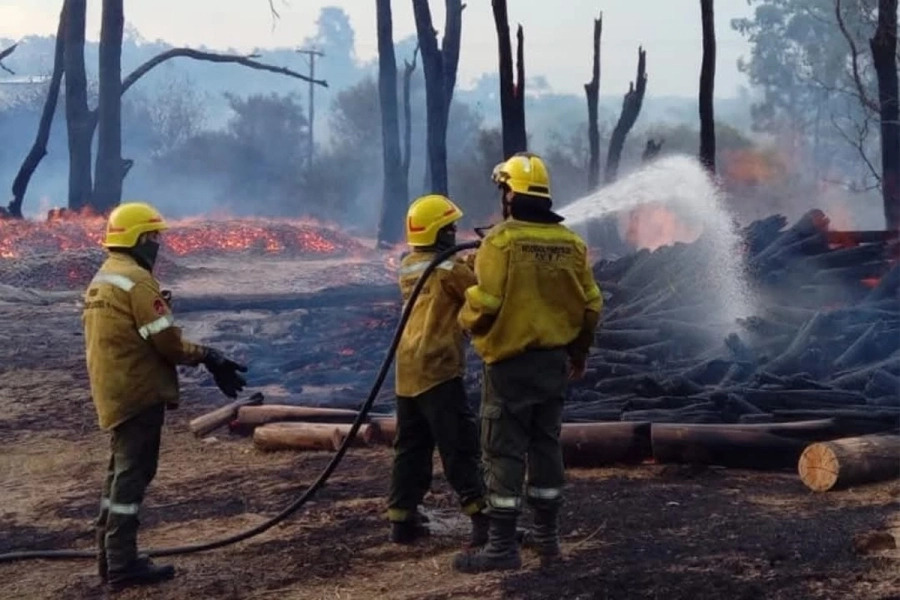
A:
x: 819, y: 359
x: 825, y: 343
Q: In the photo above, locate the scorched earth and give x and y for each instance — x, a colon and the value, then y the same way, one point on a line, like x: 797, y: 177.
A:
x: 646, y: 531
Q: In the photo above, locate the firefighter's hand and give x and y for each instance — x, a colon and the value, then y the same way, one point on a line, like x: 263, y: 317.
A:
x: 576, y: 368
x: 469, y: 259
x: 225, y: 372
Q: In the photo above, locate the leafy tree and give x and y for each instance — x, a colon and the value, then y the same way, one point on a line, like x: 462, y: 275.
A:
x: 800, y: 60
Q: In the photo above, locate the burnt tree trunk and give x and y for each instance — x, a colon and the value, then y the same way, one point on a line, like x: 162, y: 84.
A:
x: 592, y: 91
x: 110, y: 168
x: 631, y: 108
x: 395, y: 190
x: 436, y: 125
x: 39, y: 149
x: 521, y: 136
x: 439, y: 65
x: 884, y: 56
x: 707, y: 86
x: 512, y: 100
x: 408, y: 71
x: 78, y: 117
x: 450, y: 49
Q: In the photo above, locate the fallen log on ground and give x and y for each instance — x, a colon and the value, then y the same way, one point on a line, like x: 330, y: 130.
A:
x: 749, y: 446
x: 223, y: 415
x: 845, y: 462
x: 254, y: 416
x: 598, y: 444
x: 383, y: 430
x: 306, y: 436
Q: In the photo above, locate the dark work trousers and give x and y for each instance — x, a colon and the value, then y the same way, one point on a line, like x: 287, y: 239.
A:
x: 134, y: 455
x: 521, y: 412
x: 438, y: 417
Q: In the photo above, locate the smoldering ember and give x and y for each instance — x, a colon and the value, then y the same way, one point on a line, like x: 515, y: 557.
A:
x: 736, y: 430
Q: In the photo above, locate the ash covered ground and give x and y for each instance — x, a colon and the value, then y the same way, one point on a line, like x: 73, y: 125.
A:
x: 648, y: 531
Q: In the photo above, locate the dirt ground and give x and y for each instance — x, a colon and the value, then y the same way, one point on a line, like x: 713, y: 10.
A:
x: 666, y: 532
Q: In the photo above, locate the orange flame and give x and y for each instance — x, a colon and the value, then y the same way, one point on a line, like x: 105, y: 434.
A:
x: 653, y: 225
x: 752, y: 167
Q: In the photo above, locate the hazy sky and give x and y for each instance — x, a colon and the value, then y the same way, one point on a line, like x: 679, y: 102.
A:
x: 557, y: 34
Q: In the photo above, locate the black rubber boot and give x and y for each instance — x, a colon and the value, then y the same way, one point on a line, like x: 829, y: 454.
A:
x: 407, y: 532
x: 100, y: 537
x: 480, y: 526
x: 544, y: 538
x: 140, y: 571
x: 501, y: 553
x: 102, y: 570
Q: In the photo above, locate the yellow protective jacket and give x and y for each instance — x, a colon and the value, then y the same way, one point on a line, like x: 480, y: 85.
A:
x: 131, y: 342
x: 535, y: 290
x: 431, y: 349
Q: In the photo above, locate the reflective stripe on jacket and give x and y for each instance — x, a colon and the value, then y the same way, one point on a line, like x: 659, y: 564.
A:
x: 431, y: 349
x: 535, y: 290
x: 131, y: 341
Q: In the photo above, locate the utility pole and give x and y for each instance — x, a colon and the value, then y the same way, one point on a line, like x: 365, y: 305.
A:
x: 311, y: 55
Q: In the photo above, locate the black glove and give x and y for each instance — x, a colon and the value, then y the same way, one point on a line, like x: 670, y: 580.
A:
x: 167, y: 296
x: 224, y: 372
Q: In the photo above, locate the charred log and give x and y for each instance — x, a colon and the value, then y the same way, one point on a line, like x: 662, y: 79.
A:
x: 763, y: 446
x: 598, y: 444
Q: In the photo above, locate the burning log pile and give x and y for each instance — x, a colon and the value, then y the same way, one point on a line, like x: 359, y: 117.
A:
x: 818, y: 360
x: 824, y: 344
x: 64, y: 251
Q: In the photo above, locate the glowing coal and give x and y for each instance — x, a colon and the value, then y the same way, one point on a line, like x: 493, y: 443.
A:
x: 19, y: 238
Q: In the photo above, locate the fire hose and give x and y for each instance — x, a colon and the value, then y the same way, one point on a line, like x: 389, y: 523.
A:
x: 323, y: 476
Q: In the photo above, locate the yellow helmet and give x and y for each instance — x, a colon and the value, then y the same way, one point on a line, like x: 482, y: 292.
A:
x: 128, y: 221
x: 426, y: 216
x: 524, y: 173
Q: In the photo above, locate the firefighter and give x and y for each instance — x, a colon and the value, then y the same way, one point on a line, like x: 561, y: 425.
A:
x: 432, y: 406
x: 132, y: 347
x: 532, y: 316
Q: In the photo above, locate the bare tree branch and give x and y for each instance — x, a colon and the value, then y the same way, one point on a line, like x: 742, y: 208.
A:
x: 275, y: 15
x: 845, y: 90
x: 854, y: 55
x: 4, y: 54
x: 851, y: 186
x: 862, y: 131
x: 246, y: 61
